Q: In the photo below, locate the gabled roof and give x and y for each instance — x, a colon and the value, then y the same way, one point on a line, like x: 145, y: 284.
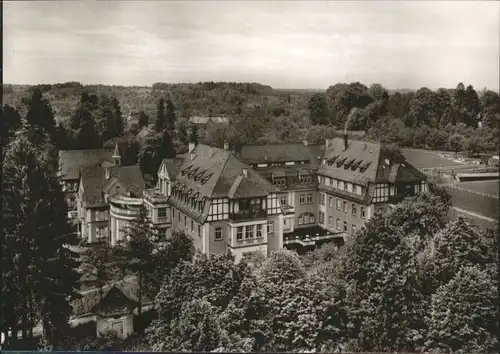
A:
x: 205, y: 120
x: 72, y: 162
x: 94, y: 182
x: 217, y: 173
x: 172, y: 165
x: 260, y: 154
x: 116, y: 301
x: 363, y: 159
x: 365, y: 163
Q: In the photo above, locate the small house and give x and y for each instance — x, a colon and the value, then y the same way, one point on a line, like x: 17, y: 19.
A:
x: 115, y: 313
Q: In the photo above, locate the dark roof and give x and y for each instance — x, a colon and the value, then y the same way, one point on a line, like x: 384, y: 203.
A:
x: 217, y: 173
x: 364, y: 163
x: 90, y: 299
x: 116, y: 301
x: 95, y: 183
x: 72, y: 162
x: 360, y: 158
x: 260, y: 154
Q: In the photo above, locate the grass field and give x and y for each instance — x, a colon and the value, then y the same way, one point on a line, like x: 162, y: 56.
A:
x: 488, y: 187
x: 427, y: 158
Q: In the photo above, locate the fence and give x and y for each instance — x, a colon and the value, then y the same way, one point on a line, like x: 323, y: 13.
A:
x: 479, y: 202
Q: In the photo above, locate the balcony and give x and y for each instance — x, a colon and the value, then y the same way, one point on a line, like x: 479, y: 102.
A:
x: 394, y: 199
x: 311, y: 235
x: 248, y: 215
x: 155, y: 197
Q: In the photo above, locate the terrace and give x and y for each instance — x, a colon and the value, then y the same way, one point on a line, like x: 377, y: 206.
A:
x: 311, y: 235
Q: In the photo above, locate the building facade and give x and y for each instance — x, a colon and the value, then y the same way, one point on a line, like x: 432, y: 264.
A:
x: 261, y: 199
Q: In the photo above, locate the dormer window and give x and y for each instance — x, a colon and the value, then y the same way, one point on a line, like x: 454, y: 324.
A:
x: 364, y: 167
x: 186, y: 170
x: 206, y: 178
x: 341, y: 161
x: 192, y: 172
x: 355, y: 165
x: 348, y: 163
x: 199, y: 175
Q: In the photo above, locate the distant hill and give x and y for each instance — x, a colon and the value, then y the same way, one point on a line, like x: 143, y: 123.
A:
x: 203, y: 98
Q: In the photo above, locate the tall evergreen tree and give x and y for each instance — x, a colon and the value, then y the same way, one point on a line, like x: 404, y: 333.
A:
x: 194, y: 135
x: 166, y: 146
x: 160, y: 115
x: 137, y: 251
x: 170, y: 115
x: 106, y: 122
x: 39, y: 112
x: 40, y: 270
x: 143, y: 119
x: 10, y: 122
x: 118, y: 116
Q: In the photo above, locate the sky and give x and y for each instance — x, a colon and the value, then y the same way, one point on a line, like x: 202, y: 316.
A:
x: 284, y: 44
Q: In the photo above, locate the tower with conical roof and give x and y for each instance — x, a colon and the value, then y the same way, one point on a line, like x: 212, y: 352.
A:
x: 116, y: 156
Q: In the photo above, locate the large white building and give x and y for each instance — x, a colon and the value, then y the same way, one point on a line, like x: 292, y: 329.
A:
x: 263, y: 198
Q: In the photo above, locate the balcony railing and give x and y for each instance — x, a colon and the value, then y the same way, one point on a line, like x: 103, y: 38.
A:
x: 248, y: 215
x: 394, y: 199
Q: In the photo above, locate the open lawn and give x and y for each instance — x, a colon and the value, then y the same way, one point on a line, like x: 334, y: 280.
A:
x: 488, y: 187
x: 427, y: 159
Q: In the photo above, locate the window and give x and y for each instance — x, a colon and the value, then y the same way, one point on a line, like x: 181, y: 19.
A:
x: 353, y: 229
x: 279, y: 181
x: 270, y: 227
x: 322, y: 198
x: 185, y: 222
x: 341, y: 184
x: 309, y: 198
x: 218, y: 233
x: 179, y: 216
x: 239, y: 232
x: 330, y: 202
x: 259, y: 230
x: 286, y: 224
x: 338, y: 224
x: 345, y: 207
x: 330, y: 221
x: 101, y: 232
x: 338, y: 203
x: 345, y: 226
x: 321, y: 218
x: 199, y: 230
x: 162, y: 234
x: 346, y: 186
x: 284, y: 200
x: 363, y: 214
x: 192, y: 226
x: 334, y: 183
x: 353, y: 209
x: 302, y: 198
x: 162, y: 212
x: 249, y: 232
x: 327, y: 180
x: 306, y: 218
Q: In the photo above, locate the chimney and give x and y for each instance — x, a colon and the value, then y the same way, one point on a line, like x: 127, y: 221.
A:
x: 245, y: 172
x: 345, y: 141
x: 191, y: 147
x: 107, y: 172
x: 304, y: 142
x: 226, y: 145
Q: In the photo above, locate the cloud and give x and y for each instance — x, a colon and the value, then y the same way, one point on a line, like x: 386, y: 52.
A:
x: 285, y: 44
